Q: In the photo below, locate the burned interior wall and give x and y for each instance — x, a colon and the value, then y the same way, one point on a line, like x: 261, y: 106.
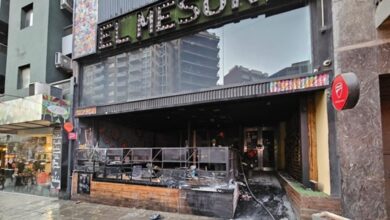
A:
x: 106, y: 133
x: 293, y: 148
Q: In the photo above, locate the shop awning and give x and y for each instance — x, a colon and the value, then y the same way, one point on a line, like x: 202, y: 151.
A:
x: 32, y: 112
x: 270, y: 87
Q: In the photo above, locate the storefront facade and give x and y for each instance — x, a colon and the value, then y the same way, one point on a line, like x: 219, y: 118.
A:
x: 32, y: 144
x: 174, y: 85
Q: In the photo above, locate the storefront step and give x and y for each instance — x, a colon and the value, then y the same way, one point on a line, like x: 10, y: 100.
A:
x: 307, y: 202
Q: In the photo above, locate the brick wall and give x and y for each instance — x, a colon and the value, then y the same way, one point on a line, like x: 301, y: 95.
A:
x: 127, y: 195
x: 305, y: 205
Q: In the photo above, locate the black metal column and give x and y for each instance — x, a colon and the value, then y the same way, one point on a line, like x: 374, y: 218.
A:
x: 304, y: 141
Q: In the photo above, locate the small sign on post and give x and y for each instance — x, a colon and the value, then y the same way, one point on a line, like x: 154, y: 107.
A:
x: 68, y: 126
x: 345, y: 91
x: 72, y: 136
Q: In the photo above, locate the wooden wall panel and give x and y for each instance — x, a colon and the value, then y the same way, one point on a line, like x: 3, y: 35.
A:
x: 312, y: 133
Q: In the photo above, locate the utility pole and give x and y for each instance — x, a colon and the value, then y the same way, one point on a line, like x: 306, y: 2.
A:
x: 70, y: 143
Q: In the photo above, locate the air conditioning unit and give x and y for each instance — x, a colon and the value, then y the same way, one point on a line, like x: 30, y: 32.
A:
x: 44, y: 89
x: 63, y: 62
x: 67, y: 5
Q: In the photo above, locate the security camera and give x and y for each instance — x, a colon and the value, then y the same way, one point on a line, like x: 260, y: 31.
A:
x: 327, y: 63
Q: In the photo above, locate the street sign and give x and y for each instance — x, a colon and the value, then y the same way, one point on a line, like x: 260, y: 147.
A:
x: 72, y: 136
x: 59, y: 110
x: 345, y: 91
x: 68, y: 126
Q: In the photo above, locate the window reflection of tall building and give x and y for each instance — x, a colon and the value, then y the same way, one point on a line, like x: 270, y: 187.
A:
x: 186, y: 64
x: 302, y: 67
x: 240, y: 74
x: 199, y: 61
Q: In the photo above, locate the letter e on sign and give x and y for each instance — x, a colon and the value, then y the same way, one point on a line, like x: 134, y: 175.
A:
x: 345, y: 91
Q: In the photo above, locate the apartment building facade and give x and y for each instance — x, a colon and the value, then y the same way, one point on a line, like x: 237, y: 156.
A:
x: 4, y: 14
x: 35, y: 101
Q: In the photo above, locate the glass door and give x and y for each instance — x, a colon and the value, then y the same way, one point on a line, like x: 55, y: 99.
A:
x: 268, y: 140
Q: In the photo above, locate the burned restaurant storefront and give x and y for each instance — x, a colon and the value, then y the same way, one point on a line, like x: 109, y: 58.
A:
x: 177, y: 100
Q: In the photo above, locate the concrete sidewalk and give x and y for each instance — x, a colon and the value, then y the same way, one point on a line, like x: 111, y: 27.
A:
x: 22, y: 206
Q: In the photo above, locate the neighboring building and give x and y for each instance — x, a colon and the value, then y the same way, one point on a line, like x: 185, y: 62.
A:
x: 43, y: 24
x: 240, y: 74
x: 185, y: 64
x: 199, y: 61
x: 37, y: 84
x: 295, y: 68
x: 361, y: 45
x: 4, y: 14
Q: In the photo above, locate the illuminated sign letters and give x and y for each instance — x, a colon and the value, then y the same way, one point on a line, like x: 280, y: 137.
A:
x: 173, y: 15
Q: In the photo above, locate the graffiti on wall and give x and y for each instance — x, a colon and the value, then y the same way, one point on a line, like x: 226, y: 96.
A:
x: 85, y: 27
x: 114, y: 136
x: 55, y: 110
x: 105, y: 134
x: 300, y: 83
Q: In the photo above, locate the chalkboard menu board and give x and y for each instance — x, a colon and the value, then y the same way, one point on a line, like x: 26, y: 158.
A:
x: 84, y: 183
x: 56, y: 163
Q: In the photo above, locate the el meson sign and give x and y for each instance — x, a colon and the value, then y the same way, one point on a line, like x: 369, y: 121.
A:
x: 170, y: 17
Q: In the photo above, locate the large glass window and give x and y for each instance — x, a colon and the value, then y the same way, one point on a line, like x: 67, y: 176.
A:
x: 26, y: 164
x: 249, y: 51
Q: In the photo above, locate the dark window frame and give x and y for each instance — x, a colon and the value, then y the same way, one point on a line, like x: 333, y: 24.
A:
x: 20, y: 76
x: 24, y: 23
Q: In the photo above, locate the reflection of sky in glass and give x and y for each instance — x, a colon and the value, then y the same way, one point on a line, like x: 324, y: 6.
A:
x: 266, y: 44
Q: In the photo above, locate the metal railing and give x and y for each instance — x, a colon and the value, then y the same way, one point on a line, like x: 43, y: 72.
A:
x: 163, y: 164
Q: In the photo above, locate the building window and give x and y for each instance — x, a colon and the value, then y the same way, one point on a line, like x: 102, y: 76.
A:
x: 236, y: 53
x: 27, y: 16
x: 24, y: 77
